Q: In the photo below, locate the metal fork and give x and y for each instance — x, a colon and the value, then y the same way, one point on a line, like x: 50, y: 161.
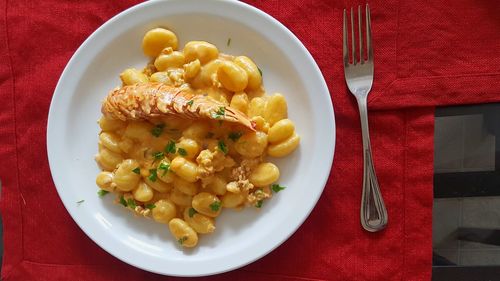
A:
x: 359, y: 79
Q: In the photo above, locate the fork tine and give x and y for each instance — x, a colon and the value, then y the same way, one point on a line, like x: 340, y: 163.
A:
x: 353, y: 45
x: 360, y: 22
x: 369, y: 34
x: 345, y: 44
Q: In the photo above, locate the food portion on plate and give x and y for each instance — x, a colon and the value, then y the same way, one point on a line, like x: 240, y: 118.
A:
x: 187, y: 136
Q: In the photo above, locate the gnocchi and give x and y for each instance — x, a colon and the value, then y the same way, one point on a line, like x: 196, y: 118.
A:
x: 200, y: 50
x: 253, y: 73
x: 110, y: 141
x: 183, y: 233
x: 275, y: 109
x: 200, y: 223
x: 285, y: 147
x: 169, y: 59
x: 157, y: 39
x: 184, y: 171
x: 252, y: 144
x: 207, y: 204
x: 164, y: 211
x: 109, y: 125
x: 180, y: 198
x: 124, y: 177
x: 108, y: 160
x: 185, y: 187
x: 280, y: 131
x: 264, y: 174
x: 105, y: 181
x: 132, y: 76
x: 232, y: 77
x: 143, y: 192
x: 240, y: 102
x: 232, y: 200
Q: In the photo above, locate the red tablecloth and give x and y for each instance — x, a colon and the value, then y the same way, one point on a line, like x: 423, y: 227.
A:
x: 427, y: 53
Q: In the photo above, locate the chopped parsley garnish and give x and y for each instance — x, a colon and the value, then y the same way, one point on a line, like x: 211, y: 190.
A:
x: 80, y: 202
x: 222, y: 146
x: 219, y: 113
x: 259, y: 204
x: 152, y: 177
x: 158, y: 155
x: 234, y: 136
x: 190, y: 102
x: 122, y: 201
x: 228, y: 41
x: 164, y: 167
x: 260, y: 71
x: 277, y: 188
x: 182, y: 240
x: 131, y: 203
x: 191, y: 212
x: 182, y: 151
x: 170, y: 148
x: 215, y: 206
x: 137, y: 170
x: 150, y: 206
x: 102, y: 192
x: 157, y: 130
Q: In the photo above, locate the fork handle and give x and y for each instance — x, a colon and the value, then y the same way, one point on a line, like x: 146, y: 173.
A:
x: 373, y: 211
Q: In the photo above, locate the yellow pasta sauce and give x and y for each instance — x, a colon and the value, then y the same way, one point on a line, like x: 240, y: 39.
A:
x: 184, y: 172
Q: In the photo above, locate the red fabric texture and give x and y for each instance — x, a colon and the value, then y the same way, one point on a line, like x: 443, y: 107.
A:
x: 427, y: 54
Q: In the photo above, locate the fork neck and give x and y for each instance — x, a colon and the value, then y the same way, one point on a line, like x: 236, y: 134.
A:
x: 363, y: 114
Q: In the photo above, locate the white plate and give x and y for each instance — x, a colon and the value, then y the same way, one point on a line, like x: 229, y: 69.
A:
x: 241, y: 237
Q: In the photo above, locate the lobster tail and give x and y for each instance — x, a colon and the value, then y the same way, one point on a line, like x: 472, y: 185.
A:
x: 143, y: 101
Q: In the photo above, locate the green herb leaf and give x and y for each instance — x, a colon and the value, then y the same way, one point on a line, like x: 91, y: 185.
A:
x: 222, y: 146
x: 182, y: 240
x: 170, y: 148
x: 158, y: 130
x: 102, y: 192
x: 122, y: 201
x: 277, y: 188
x: 137, y: 170
x: 260, y: 71
x: 228, y: 41
x: 222, y: 111
x: 235, y: 136
x: 182, y: 151
x: 190, y: 102
x: 164, y: 167
x: 158, y: 155
x: 192, y: 211
x: 150, y: 206
x: 152, y: 177
x: 80, y: 202
x: 259, y: 204
x: 131, y: 203
x: 215, y: 206
x: 219, y: 113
